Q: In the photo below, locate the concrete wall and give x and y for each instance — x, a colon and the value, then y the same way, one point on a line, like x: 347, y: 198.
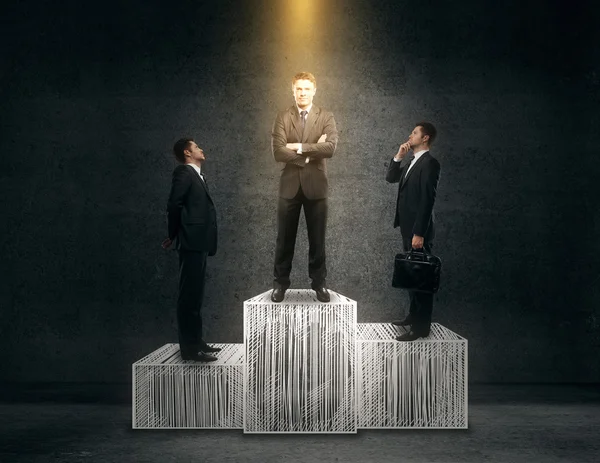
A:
x: 95, y: 96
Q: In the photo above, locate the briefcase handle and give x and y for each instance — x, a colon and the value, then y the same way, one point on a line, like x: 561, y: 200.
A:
x: 420, y: 254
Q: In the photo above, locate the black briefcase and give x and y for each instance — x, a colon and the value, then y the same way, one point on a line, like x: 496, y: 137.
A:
x: 417, y: 271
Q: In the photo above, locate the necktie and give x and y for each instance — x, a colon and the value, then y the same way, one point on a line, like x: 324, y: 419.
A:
x: 303, y: 116
x: 204, y: 181
x: 410, y: 160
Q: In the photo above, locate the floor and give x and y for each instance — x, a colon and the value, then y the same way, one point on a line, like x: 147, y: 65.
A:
x: 507, y: 423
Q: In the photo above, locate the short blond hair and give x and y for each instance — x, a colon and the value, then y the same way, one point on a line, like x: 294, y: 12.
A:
x: 305, y: 76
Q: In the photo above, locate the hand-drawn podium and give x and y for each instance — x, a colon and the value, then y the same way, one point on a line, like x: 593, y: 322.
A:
x: 308, y: 367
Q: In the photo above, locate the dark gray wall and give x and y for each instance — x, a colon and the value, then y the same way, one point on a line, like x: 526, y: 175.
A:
x: 95, y: 96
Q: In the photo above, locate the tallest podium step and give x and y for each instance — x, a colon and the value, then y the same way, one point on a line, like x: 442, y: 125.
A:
x: 300, y: 364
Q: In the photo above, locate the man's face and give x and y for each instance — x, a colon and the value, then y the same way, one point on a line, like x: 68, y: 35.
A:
x: 195, y: 152
x: 304, y: 91
x: 416, y: 138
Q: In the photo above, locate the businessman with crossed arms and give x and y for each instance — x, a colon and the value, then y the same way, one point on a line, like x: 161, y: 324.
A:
x: 304, y: 136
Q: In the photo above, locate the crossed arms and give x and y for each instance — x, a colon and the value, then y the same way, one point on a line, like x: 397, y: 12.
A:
x: 288, y: 152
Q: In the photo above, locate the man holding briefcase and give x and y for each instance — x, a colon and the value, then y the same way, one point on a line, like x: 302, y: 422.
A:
x: 418, y: 175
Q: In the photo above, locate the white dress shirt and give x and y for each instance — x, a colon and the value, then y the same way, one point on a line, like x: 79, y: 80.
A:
x: 197, y: 169
x: 307, y: 110
x: 418, y: 154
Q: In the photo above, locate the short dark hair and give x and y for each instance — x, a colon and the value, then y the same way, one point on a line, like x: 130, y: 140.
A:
x: 180, y: 146
x: 427, y: 128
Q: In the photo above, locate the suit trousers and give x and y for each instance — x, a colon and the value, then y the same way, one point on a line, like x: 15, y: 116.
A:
x: 192, y: 270
x: 421, y: 304
x: 288, y: 216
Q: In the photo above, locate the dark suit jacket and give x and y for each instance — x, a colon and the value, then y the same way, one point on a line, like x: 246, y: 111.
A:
x: 295, y: 171
x: 416, y: 195
x: 191, y: 213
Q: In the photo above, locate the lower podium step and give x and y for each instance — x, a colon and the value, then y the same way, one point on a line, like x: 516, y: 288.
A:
x: 307, y: 367
x: 418, y: 384
x: 172, y: 393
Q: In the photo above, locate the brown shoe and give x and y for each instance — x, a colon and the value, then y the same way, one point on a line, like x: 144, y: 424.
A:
x: 209, y: 349
x: 278, y: 294
x: 410, y: 336
x: 200, y: 357
x: 322, y: 294
x: 406, y: 322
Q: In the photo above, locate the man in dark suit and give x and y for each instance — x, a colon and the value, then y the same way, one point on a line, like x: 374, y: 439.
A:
x: 303, y: 137
x: 418, y: 176
x: 192, y: 225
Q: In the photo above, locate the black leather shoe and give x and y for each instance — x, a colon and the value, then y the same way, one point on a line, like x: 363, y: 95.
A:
x: 411, y: 336
x: 278, y: 294
x: 406, y: 322
x: 199, y: 357
x: 209, y: 349
x: 322, y: 294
